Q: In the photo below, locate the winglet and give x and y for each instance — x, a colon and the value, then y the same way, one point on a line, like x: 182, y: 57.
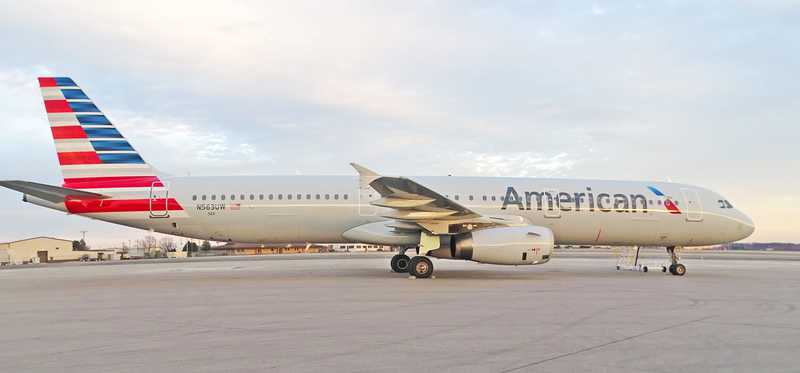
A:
x: 366, y: 176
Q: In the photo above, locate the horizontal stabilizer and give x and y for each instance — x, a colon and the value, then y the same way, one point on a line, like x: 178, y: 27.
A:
x: 48, y: 192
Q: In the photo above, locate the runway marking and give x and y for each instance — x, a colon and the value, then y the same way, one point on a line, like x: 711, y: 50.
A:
x: 606, y: 344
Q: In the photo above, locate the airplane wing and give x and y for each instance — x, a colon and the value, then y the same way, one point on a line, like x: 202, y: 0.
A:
x: 413, y: 203
x: 48, y: 192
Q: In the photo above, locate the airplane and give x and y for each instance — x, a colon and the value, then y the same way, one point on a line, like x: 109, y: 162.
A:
x: 496, y: 220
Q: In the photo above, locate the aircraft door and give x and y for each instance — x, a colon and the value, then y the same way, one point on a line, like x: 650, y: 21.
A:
x: 159, y: 200
x: 692, y: 207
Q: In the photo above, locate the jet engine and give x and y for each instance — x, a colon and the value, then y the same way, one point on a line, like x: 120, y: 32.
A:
x: 528, y: 244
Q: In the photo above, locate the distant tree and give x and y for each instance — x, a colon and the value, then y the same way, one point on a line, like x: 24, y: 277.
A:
x: 167, y: 244
x: 82, y: 245
x: 76, y: 245
x: 205, y: 246
x: 150, y: 242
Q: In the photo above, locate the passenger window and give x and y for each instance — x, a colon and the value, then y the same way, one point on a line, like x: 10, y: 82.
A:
x: 299, y: 196
x: 327, y: 196
x: 288, y: 196
x: 280, y: 196
x: 222, y: 197
x: 493, y: 198
x: 456, y: 197
x: 213, y: 197
x: 336, y: 196
x: 270, y: 197
x: 194, y: 197
x: 233, y: 197
x: 241, y: 197
x: 308, y: 196
x: 484, y: 198
x: 317, y: 196
x: 344, y: 197
x: 204, y: 197
x: 252, y: 197
x: 261, y: 197
x: 470, y: 198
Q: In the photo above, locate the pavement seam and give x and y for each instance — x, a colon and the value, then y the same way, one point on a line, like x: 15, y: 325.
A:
x: 606, y: 344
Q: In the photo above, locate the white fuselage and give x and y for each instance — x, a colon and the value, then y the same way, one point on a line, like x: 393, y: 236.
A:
x: 286, y: 209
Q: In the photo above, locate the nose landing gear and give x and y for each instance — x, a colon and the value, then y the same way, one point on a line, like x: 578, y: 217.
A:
x: 675, y: 268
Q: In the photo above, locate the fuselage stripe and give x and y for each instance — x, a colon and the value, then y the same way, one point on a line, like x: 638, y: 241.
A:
x: 78, y: 206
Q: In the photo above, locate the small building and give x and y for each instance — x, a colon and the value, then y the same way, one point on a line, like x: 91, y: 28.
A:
x: 360, y: 247
x: 47, y: 249
x: 257, y: 249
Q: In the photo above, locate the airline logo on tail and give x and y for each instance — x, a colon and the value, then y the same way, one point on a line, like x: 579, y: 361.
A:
x: 668, y: 203
x: 91, y: 152
x: 94, y: 155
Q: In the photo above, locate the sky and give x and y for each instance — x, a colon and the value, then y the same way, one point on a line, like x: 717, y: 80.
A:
x: 703, y: 93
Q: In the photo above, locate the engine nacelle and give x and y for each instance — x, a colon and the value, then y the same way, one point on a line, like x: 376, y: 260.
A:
x: 528, y: 244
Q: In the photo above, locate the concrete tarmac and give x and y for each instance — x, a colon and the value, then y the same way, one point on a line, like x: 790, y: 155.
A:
x: 350, y: 314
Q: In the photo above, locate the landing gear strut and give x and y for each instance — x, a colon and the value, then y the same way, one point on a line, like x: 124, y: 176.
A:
x: 400, y: 262
x: 675, y: 268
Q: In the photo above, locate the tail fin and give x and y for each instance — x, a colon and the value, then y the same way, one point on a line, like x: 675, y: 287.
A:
x: 91, y: 152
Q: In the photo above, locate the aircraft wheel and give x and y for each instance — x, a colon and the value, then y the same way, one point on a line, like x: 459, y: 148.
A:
x: 644, y: 269
x: 420, y: 267
x: 663, y: 269
x: 677, y: 269
x: 400, y: 263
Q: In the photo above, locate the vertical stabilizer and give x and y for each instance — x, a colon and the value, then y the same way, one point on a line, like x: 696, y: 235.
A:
x: 92, y: 153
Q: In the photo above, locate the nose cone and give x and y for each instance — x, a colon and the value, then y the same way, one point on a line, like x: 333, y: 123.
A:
x: 745, y: 226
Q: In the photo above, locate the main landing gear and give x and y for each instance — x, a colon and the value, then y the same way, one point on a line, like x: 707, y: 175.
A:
x: 400, y: 262
x: 418, y: 266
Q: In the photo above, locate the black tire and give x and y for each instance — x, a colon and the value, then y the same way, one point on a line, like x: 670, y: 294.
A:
x: 644, y: 269
x: 679, y: 270
x: 400, y: 263
x: 663, y: 269
x: 672, y: 269
x: 420, y: 267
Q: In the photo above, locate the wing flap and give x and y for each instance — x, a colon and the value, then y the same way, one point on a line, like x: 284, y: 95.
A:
x: 399, y: 203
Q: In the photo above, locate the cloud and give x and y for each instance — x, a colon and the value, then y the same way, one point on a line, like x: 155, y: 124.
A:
x: 520, y: 164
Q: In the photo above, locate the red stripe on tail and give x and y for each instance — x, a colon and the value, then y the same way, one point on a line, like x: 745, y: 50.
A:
x: 112, y: 182
x: 68, y: 158
x: 57, y: 106
x: 68, y: 132
x: 47, y: 82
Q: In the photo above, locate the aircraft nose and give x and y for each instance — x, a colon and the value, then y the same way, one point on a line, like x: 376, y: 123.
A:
x: 746, y: 226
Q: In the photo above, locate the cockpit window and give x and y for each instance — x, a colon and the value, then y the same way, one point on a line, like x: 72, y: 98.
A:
x: 724, y: 204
